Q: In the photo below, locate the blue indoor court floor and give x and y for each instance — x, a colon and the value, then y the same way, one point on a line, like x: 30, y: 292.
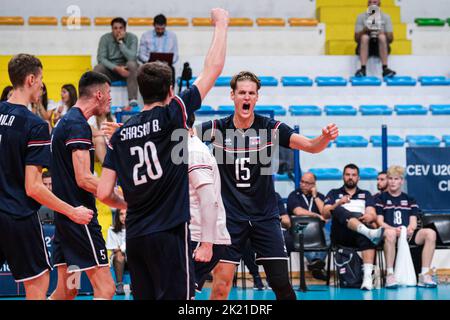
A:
x: 442, y: 292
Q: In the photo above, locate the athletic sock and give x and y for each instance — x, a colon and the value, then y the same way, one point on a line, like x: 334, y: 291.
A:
x: 368, y: 268
x: 390, y: 270
x: 425, y: 270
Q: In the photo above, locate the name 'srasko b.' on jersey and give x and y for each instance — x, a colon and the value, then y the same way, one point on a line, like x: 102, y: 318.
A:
x: 24, y: 140
x: 150, y: 158
x: 71, y: 133
x: 245, y: 162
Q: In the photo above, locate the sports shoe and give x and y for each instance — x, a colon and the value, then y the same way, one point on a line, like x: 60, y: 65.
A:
x: 391, y: 282
x: 367, y: 283
x: 426, y: 281
x: 388, y: 73
x: 376, y: 235
x: 119, y: 289
x: 319, y: 274
x: 316, y: 264
x: 360, y: 73
x: 258, y: 284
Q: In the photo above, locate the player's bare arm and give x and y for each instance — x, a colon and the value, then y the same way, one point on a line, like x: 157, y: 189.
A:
x: 300, y: 142
x: 35, y: 189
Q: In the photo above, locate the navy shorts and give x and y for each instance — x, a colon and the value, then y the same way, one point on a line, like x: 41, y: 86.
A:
x: 23, y: 247
x: 266, y: 238
x: 80, y: 247
x: 202, y: 269
x: 161, y: 266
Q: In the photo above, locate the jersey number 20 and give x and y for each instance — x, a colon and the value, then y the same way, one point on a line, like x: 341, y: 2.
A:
x: 154, y: 172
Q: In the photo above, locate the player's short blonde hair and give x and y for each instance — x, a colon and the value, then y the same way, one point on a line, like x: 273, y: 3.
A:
x: 397, y: 171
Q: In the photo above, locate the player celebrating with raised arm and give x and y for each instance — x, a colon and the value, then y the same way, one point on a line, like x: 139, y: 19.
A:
x: 81, y: 248
x: 243, y: 146
x: 24, y: 151
x: 156, y: 186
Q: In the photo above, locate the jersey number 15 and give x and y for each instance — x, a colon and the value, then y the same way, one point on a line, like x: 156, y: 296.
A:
x: 154, y: 172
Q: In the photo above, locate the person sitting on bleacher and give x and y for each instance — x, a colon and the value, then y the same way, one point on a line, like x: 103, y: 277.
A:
x: 46, y: 215
x: 374, y: 42
x: 395, y: 209
x: 116, y: 242
x: 159, y: 40
x: 117, y: 55
x: 352, y: 210
x: 382, y: 183
x: 307, y: 201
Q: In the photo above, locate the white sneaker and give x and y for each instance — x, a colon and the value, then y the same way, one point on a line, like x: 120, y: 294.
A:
x: 367, y: 283
x: 377, y: 236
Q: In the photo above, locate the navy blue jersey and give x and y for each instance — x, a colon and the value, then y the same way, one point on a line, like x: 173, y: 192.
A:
x: 71, y: 133
x: 361, y: 197
x: 298, y: 199
x: 244, y: 158
x: 142, y: 153
x: 24, y: 140
x: 396, y: 210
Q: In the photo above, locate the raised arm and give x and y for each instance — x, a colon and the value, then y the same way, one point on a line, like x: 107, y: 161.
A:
x: 215, y: 59
x: 300, y: 142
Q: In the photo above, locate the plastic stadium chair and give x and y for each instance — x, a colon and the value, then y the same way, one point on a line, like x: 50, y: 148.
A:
x: 375, y: 110
x: 119, y: 83
x: 400, y: 81
x: 344, y: 110
x: 140, y: 21
x: 84, y: 21
x: 440, y: 109
x: 434, y: 81
x: 42, y: 21
x: 410, y: 109
x: 326, y: 173
x: 446, y: 139
x: 331, y: 81
x: 234, y: 22
x: 277, y: 109
x: 365, y: 81
x: 12, y: 21
x: 270, y: 22
x: 305, y: 110
x: 103, y: 21
x: 441, y: 224
x: 227, y: 108
x: 351, y: 142
x: 268, y: 81
x: 423, y: 141
x: 281, y: 177
x: 177, y: 21
x: 303, y: 22
x: 368, y: 173
x: 393, y: 141
x: 429, y: 22
x: 296, y: 81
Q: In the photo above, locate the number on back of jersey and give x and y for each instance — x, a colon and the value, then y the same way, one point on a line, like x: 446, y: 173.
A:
x: 153, y: 171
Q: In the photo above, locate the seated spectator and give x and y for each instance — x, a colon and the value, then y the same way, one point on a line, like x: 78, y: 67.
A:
x: 159, y: 40
x: 116, y: 242
x: 306, y: 201
x: 117, y: 54
x: 285, y: 224
x: 382, y: 183
x: 68, y: 100
x: 6, y: 93
x: 395, y: 209
x: 374, y: 42
x: 351, y: 210
x: 46, y: 215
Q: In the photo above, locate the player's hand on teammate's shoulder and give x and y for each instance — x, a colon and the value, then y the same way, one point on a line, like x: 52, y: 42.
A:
x: 331, y: 131
x: 108, y: 128
x: 81, y: 215
x: 219, y: 16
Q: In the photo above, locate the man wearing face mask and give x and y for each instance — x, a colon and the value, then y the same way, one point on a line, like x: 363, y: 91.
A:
x: 352, y: 210
x: 117, y: 54
x: 159, y: 40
